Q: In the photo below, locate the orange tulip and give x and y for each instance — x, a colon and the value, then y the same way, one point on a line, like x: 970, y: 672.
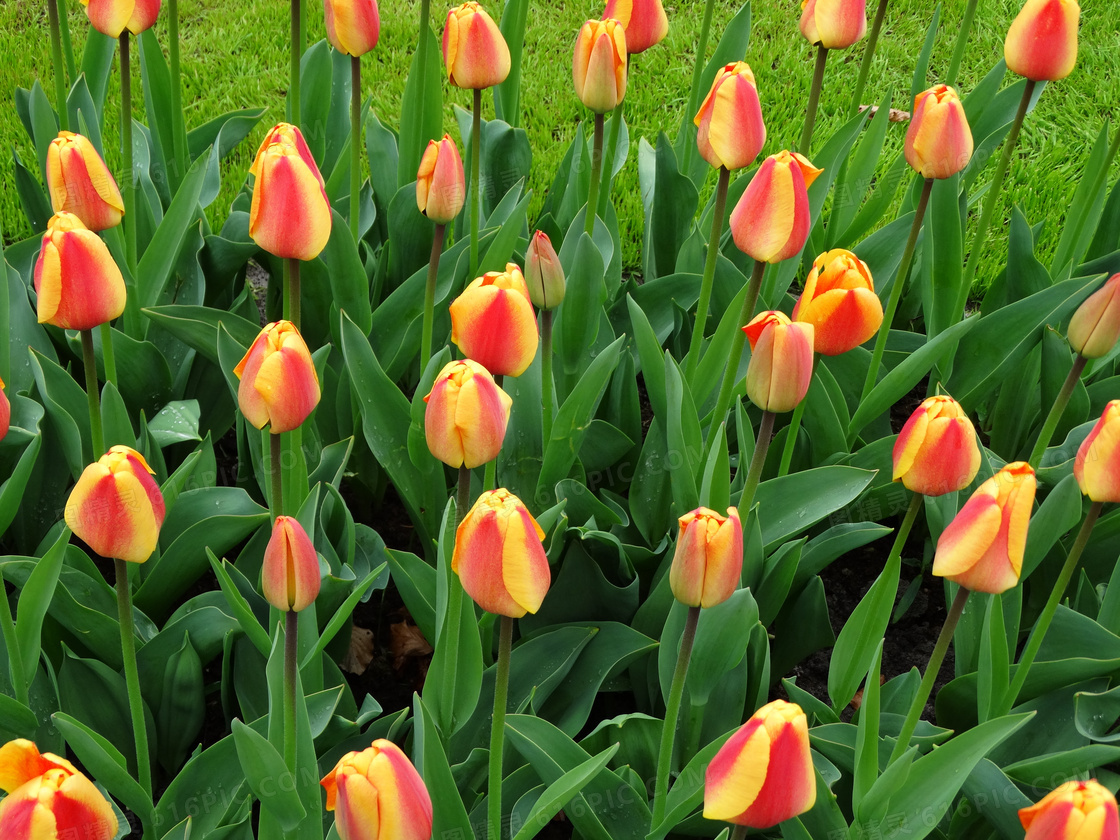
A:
x: 599, y: 65
x: 499, y: 556
x: 80, y: 183
x: 5, y: 412
x: 938, y: 141
x: 1042, y: 41
x: 644, y: 21
x: 112, y: 17
x: 982, y: 549
x: 781, y: 366
x: 440, y: 183
x: 708, y: 560
x: 474, y: 49
x: 544, y: 275
x: 377, y: 794
x: 492, y: 322
x: 771, y: 221
x: 764, y: 773
x: 290, y: 216
x: 840, y: 302
x: 936, y: 451
x: 290, y: 577
x: 353, y: 26
x: 79, y: 285
x: 730, y: 131
x: 1095, y: 325
x: 116, y: 507
x: 1097, y: 465
x: 465, y: 421
x: 834, y: 24
x: 1073, y: 811
x: 279, y: 385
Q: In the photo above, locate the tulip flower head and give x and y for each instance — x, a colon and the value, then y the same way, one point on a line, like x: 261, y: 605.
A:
x: 708, y: 561
x: 938, y: 141
x: 499, y: 556
x: 771, y: 221
x: 440, y: 182
x: 729, y: 127
x: 644, y: 21
x: 1097, y: 465
x: 839, y: 300
x: 353, y: 26
x: 290, y: 216
x: 290, y: 577
x: 80, y: 183
x: 834, y: 24
x: 936, y: 451
x: 1042, y: 42
x: 1073, y: 811
x: 599, y: 65
x: 5, y: 412
x: 474, y: 50
x: 781, y: 365
x: 279, y: 385
x: 1095, y: 325
x: 49, y: 799
x: 763, y: 774
x: 376, y: 794
x: 982, y: 548
x: 78, y: 283
x: 116, y: 507
x: 493, y: 322
x: 466, y: 415
x: 543, y: 273
x: 113, y: 17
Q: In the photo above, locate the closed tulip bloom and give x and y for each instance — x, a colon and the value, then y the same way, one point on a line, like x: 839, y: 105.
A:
x: 112, y: 17
x: 1074, y: 811
x: 1042, y: 41
x: 440, y: 183
x: 466, y: 416
x: 771, y: 221
x: 499, y: 556
x: 644, y: 21
x: 290, y: 576
x: 116, y: 506
x: 781, y: 366
x: 5, y: 412
x: 839, y: 300
x: 290, y: 216
x: 353, y: 26
x: 474, y: 50
x: 599, y: 65
x: 543, y: 273
x: 982, y: 549
x: 729, y: 127
x: 78, y: 284
x: 279, y: 385
x: 80, y: 183
x: 492, y: 322
x: 938, y: 141
x: 49, y: 799
x: 376, y: 794
x: 708, y: 561
x: 834, y: 24
x: 936, y: 451
x: 1095, y: 325
x: 763, y: 774
x: 1097, y: 465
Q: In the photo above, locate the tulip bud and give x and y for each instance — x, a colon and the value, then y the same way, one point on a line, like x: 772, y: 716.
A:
x: 730, y: 131
x: 936, y: 451
x: 80, y: 183
x: 599, y: 65
x: 49, y: 799
x: 982, y: 549
x: 708, y: 561
x: 492, y: 322
x: 543, y: 273
x: 840, y: 302
x: 377, y: 794
x: 465, y: 421
x: 1097, y: 465
x: 771, y: 221
x: 1073, y: 811
x: 290, y: 577
x: 474, y: 49
x: 834, y: 24
x: 440, y: 183
x: 112, y: 17
x: 5, y: 412
x: 78, y: 284
x: 499, y: 556
x: 1042, y: 41
x: 353, y: 26
x: 763, y: 774
x: 644, y: 22
x: 116, y: 507
x: 938, y: 141
x: 781, y: 366
x: 290, y: 216
x: 279, y: 384
x: 1095, y: 325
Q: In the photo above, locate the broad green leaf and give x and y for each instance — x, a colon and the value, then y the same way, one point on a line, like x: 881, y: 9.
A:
x: 421, y: 107
x: 349, y: 286
x: 684, y: 439
x: 35, y: 600
x: 197, y: 326
x: 18, y: 720
x: 792, y: 503
x: 104, y: 762
x: 268, y: 776
x: 154, y: 268
x: 239, y: 606
x: 862, y: 635
x: 450, y: 816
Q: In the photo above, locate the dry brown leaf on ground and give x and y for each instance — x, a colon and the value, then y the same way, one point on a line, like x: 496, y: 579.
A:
x: 407, y: 642
x: 360, y: 654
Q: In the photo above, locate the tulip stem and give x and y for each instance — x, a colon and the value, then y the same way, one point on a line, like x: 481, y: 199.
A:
x: 868, y: 57
x: 930, y: 676
x: 291, y: 643
x: 498, y: 729
x: 546, y: 379
x: 126, y: 152
x: 92, y: 394
x: 67, y: 48
x: 758, y: 459
x: 611, y: 149
x: 1056, y: 411
x: 596, y: 174
x: 814, y: 101
x: 296, y: 55
x: 739, y: 833
x: 709, y: 275
x: 723, y: 403
x: 672, y: 712
x: 132, y: 679
x: 694, y: 90
x: 355, y: 145
x: 107, y: 355
x: 791, y: 435
x: 273, y: 459
x: 961, y: 44
x: 178, y: 128
x: 59, y: 70
x: 476, y: 163
x: 20, y: 683
x: 292, y: 291
x: 430, y: 297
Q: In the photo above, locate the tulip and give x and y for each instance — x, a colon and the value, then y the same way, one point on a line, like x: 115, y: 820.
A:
x: 290, y: 577
x: 982, y: 549
x: 279, y: 384
x: 1095, y: 325
x: 353, y: 26
x: 839, y: 300
x: 1097, y: 465
x: 834, y: 24
x: 771, y: 221
x: 764, y: 773
x: 440, y: 183
x: 781, y: 365
x: 49, y: 799
x: 290, y: 216
x: 599, y: 65
x: 474, y: 49
x: 492, y: 322
x: 112, y: 17
x: 1073, y: 811
x: 377, y: 794
x: 730, y: 131
x: 1041, y: 44
x: 499, y: 556
x: 543, y: 273
x: 644, y: 22
x: 708, y: 560
x: 465, y: 421
x: 5, y: 412
x: 938, y: 141
x: 936, y: 451
x: 79, y: 285
x: 116, y: 507
x: 80, y: 183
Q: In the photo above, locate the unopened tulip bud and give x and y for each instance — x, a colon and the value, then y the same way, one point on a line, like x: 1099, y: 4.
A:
x: 353, y: 26
x: 644, y: 21
x: 466, y: 416
x: 936, y: 451
x: 474, y: 50
x: 78, y: 283
x: 781, y: 366
x: 80, y: 183
x: 5, y: 412
x: 440, y: 183
x: 839, y: 300
x: 729, y: 127
x: 1095, y: 325
x: 834, y: 24
x: 290, y: 577
x: 938, y: 141
x: 1042, y: 41
x: 543, y: 273
x: 290, y: 216
x: 599, y: 65
x: 771, y: 221
x: 279, y: 385
x: 708, y: 560
x: 376, y: 794
x: 112, y: 17
x: 1073, y: 811
x: 492, y: 322
x: 1097, y: 465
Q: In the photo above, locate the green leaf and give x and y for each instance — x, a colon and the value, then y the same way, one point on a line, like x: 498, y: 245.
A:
x: 867, y: 733
x: 416, y: 581
x: 687, y: 791
x: 450, y: 816
x: 560, y: 792
x: 349, y: 286
x: 154, y: 268
x: 176, y: 422
x: 421, y: 109
x: 19, y: 720
x: 792, y: 503
x: 721, y: 642
x: 211, y: 784
x: 197, y: 326
x: 992, y: 675
x: 227, y: 131
x: 67, y: 408
x: 104, y: 763
x: 862, y: 635
x: 35, y: 600
x: 683, y: 436
x: 1059, y: 512
x: 670, y: 210
x: 96, y: 695
x: 342, y: 615
x: 268, y: 776
x: 650, y: 353
x: 239, y: 606
x: 181, y: 708
x: 577, y: 321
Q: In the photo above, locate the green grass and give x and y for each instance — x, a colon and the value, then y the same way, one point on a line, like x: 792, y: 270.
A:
x: 234, y: 55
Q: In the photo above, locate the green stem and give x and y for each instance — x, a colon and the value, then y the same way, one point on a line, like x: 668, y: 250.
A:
x: 178, y: 128
x: 758, y: 460
x: 498, y: 729
x: 546, y: 378
x: 723, y: 403
x: 791, y: 437
x: 672, y: 712
x: 355, y: 144
x: 292, y: 291
x: 93, y: 394
x: 693, y: 727
x: 430, y: 297
x: 291, y: 644
x: 107, y: 354
x: 293, y: 70
x: 132, y: 679
x: 20, y: 683
x: 694, y: 88
x: 476, y: 164
x: 930, y: 676
x: 450, y: 636
x: 868, y: 57
x: 814, y: 100
x: 612, y: 148
x: 273, y: 459
x: 596, y: 172
x: 740, y: 832
x: 129, y: 185
x: 67, y: 48
x: 59, y: 69
x: 1056, y: 411
x: 708, y: 278
x: 961, y: 44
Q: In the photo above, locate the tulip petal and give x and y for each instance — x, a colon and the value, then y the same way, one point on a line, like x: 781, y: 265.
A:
x: 791, y: 786
x: 109, y: 17
x: 478, y: 561
x: 285, y: 386
x: 21, y: 816
x: 737, y: 772
x: 358, y: 812
x: 21, y: 761
x: 968, y: 536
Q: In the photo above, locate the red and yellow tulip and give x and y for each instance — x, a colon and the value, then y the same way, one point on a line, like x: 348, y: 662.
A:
x: 729, y: 127
x: 839, y: 300
x: 279, y: 385
x: 644, y: 21
x: 492, y: 322
x: 781, y: 365
x: 80, y: 183
x: 1074, y: 811
x: 599, y: 65
x: 353, y: 26
x: 936, y: 451
x: 1042, y: 41
x: 78, y: 284
x: 112, y: 17
x: 1095, y: 325
x: 771, y: 221
x: 5, y: 412
x: 290, y: 577
x: 834, y: 24
x: 440, y: 182
x: 938, y: 141
x: 474, y: 50
x: 1097, y: 465
x: 376, y: 794
x: 290, y: 216
x: 466, y: 416
x: 708, y: 560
